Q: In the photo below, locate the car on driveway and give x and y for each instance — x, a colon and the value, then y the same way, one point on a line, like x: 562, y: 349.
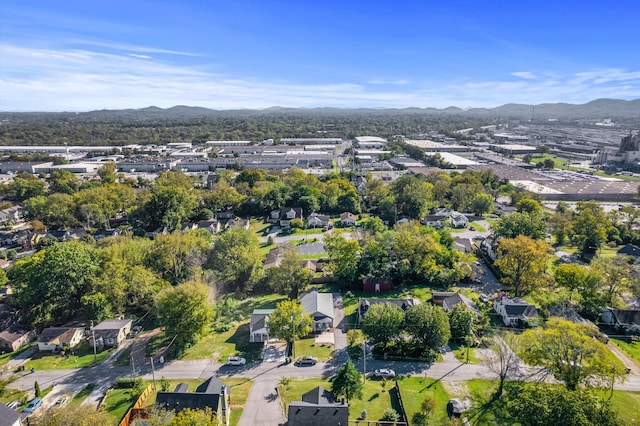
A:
x: 236, y: 360
x: 307, y: 360
x: 33, y: 406
x: 484, y: 298
x: 384, y: 373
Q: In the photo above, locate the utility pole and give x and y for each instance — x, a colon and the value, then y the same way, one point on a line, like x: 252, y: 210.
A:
x: 364, y: 362
x: 153, y: 373
x: 133, y: 368
x: 93, y: 333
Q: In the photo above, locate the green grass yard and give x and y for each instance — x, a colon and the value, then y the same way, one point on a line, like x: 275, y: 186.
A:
x: 373, y: 399
x: 629, y: 347
x: 79, y: 357
x: 414, y: 390
x: 308, y: 347
x: 118, y: 402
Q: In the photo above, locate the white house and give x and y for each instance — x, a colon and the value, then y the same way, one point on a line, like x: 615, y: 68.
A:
x: 258, y: 329
x: 9, y: 417
x: 458, y: 220
x: 58, y: 338
x: 111, y: 333
x: 287, y: 214
x: 320, y: 307
x: 515, y: 312
x: 318, y: 220
x: 348, y: 219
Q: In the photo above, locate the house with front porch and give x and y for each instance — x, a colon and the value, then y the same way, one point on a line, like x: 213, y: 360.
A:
x: 320, y: 307
x: 318, y: 220
x: 56, y: 339
x: 258, y: 327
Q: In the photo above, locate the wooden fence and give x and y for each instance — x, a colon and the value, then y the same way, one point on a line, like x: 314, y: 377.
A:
x: 127, y: 417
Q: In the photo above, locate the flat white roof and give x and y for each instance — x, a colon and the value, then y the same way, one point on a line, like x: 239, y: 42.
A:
x: 456, y: 160
x: 362, y: 139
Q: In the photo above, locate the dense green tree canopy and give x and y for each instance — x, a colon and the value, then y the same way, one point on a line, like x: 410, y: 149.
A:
x: 348, y: 382
x: 428, y: 325
x: 569, y: 352
x: 236, y: 259
x: 383, y: 322
x: 185, y: 311
x: 289, y: 321
x: 50, y: 284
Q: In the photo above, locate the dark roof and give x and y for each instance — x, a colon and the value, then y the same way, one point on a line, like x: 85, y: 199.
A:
x: 206, y: 395
x: 318, y: 408
x: 319, y: 395
x: 449, y: 302
x: 57, y: 335
x: 627, y: 317
x: 9, y: 417
x: 630, y: 250
x: 521, y: 311
x: 212, y: 386
x: 404, y: 304
x: 438, y: 297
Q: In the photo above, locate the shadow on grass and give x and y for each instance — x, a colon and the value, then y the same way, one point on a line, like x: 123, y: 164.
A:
x: 374, y: 396
x: 240, y: 339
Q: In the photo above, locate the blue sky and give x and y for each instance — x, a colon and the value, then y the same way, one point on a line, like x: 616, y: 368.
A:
x: 71, y: 55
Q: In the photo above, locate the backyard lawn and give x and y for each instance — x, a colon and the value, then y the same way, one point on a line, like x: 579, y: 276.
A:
x: 118, y: 402
x: 219, y: 346
x: 414, y: 390
x: 79, y: 357
x: 308, y: 347
x: 235, y: 341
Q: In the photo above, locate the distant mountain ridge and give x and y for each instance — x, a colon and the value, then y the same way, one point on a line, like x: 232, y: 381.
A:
x: 597, y: 109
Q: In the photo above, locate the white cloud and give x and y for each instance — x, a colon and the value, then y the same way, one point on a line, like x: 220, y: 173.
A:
x: 78, y: 80
x: 527, y: 75
x: 135, y: 55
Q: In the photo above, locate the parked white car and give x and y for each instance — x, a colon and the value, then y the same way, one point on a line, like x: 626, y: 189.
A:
x: 236, y: 360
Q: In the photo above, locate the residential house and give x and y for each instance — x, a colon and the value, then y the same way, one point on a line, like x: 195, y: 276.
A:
x: 55, y: 339
x: 258, y: 330
x: 238, y: 223
x: 111, y: 333
x: 348, y: 219
x: 13, y: 340
x: 211, y: 225
x: 107, y: 233
x: 449, y: 302
x: 465, y: 245
x: 515, y: 312
x: 212, y: 394
x: 10, y: 417
x: 11, y: 216
x: 273, y: 258
x: 225, y: 214
x: 458, y: 220
x: 365, y: 304
x: 59, y: 234
x: 318, y: 407
x: 436, y: 221
x: 287, y: 214
x: 318, y: 220
x: 622, y: 319
x: 630, y: 250
x: 320, y: 307
x: 437, y: 297
x: 188, y: 226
